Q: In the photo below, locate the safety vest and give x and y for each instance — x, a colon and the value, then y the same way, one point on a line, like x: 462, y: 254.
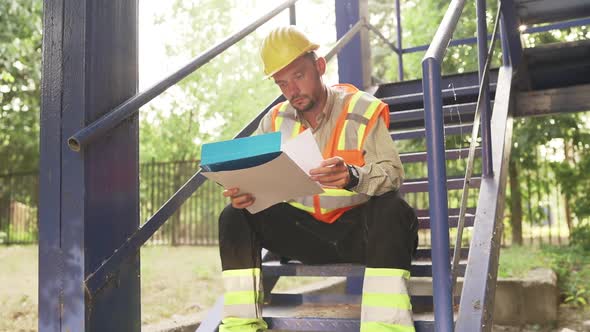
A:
x: 360, y: 113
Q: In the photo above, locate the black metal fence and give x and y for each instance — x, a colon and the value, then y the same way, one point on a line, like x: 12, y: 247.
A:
x: 545, y: 216
x: 195, y: 223
x: 19, y: 199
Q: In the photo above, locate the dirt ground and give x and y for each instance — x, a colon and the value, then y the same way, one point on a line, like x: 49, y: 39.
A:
x: 569, y: 317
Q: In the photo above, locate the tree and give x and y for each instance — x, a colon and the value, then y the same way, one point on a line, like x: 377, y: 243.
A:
x: 20, y: 74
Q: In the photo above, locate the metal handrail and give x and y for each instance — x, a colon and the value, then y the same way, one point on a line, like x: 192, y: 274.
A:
x: 439, y: 226
x: 96, y: 280
x: 383, y: 38
x: 131, y: 106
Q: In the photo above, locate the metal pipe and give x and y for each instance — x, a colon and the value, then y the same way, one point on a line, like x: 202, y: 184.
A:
x: 486, y: 114
x: 444, y: 33
x: 383, y: 38
x: 132, y: 105
x: 437, y: 177
x: 437, y: 194
x: 400, y: 55
x: 292, y: 15
x: 345, y: 39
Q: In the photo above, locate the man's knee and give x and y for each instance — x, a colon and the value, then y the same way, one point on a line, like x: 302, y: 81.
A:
x: 232, y: 223
x: 394, y: 219
x: 392, y: 205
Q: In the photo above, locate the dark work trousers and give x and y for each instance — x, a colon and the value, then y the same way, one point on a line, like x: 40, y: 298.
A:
x: 382, y: 233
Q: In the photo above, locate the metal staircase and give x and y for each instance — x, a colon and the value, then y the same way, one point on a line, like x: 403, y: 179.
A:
x: 420, y: 109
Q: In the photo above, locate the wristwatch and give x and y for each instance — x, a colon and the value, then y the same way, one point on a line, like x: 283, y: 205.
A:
x: 353, y: 175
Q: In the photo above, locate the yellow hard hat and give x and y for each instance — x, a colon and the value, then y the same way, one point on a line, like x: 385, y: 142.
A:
x: 283, y: 45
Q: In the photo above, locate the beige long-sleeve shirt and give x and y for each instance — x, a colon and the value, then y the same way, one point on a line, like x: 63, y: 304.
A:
x: 383, y: 170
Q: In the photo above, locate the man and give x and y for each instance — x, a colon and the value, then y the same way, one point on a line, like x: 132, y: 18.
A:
x: 359, y: 219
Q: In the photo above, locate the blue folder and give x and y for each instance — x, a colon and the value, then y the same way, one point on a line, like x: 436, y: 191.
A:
x: 240, y: 153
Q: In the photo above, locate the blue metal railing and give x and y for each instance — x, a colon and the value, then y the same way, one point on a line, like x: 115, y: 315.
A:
x: 132, y: 105
x: 437, y: 177
x: 431, y: 66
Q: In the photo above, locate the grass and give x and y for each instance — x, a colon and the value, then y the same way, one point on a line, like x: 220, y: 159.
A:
x: 18, y: 294
x: 182, y: 281
x: 175, y: 281
x: 515, y: 261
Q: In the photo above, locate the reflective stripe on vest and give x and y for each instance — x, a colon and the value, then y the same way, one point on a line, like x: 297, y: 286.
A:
x: 361, y: 109
x: 243, y: 294
x: 350, y: 132
x: 386, y: 303
x: 291, y: 128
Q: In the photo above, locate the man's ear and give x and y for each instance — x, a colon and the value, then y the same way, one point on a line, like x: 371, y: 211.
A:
x: 320, y: 64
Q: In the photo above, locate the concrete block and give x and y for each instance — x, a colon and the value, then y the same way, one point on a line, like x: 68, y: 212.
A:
x: 532, y: 300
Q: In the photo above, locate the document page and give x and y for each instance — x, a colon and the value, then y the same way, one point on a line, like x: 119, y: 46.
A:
x: 304, y: 151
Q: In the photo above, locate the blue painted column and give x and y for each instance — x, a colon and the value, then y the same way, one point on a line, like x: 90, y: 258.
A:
x: 88, y: 200
x: 351, y: 67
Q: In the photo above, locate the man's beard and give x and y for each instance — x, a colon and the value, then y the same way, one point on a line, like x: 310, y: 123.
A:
x: 306, y: 107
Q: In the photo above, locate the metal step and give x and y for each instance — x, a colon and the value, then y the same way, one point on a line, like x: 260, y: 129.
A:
x: 463, y: 129
x: 451, y: 154
x: 426, y: 253
x: 545, y: 11
x: 424, y: 222
x: 414, y: 86
x: 452, y: 212
x: 453, y: 114
x: 558, y: 65
x: 297, y: 299
x: 295, y: 268
x: 421, y: 185
x: 341, y: 318
x: 451, y: 95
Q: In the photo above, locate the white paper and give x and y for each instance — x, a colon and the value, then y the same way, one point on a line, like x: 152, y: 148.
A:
x: 273, y: 182
x: 304, y: 151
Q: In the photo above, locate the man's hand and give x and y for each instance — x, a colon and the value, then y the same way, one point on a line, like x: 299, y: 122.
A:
x: 333, y: 173
x: 239, y: 200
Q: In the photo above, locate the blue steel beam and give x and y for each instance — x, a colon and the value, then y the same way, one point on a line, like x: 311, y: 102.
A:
x: 557, y: 26
x: 350, y: 65
x: 477, y: 300
x: 88, y: 203
x: 50, y: 255
x: 510, y: 23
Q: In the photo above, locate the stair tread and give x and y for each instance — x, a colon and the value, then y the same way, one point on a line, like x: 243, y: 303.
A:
x: 419, y: 268
x: 344, y: 317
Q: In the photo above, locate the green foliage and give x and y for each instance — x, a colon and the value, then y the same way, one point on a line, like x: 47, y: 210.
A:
x: 580, y: 236
x: 420, y: 20
x: 20, y: 74
x: 572, y: 265
x: 215, y: 102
